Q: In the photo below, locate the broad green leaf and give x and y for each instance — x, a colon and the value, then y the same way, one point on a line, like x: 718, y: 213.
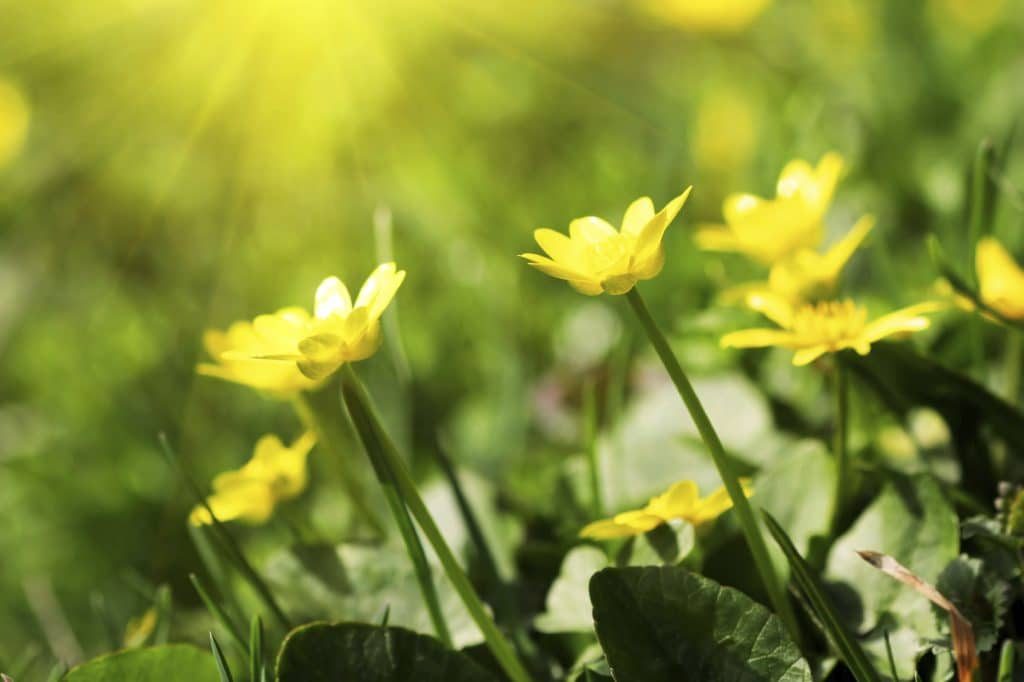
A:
x: 323, y: 652
x: 568, y: 603
x: 911, y: 521
x: 810, y: 469
x: 168, y: 663
x: 668, y: 624
x: 655, y: 442
x: 363, y: 583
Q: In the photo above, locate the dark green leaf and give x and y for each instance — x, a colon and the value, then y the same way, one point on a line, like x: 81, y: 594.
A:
x: 666, y: 623
x: 322, y: 652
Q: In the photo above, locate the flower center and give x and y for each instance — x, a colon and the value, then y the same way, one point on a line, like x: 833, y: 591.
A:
x: 610, y: 255
x: 830, y: 322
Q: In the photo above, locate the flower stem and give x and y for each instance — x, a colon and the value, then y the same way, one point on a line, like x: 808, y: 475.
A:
x: 744, y: 512
x: 839, y: 449
x: 369, y: 434
x: 360, y: 406
x: 1012, y: 365
x: 313, y: 412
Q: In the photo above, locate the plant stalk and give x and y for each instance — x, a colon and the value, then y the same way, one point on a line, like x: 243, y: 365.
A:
x: 744, y: 512
x: 839, y: 446
x: 359, y: 403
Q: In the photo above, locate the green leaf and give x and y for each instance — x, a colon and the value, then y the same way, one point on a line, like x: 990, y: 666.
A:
x: 911, y: 521
x: 806, y: 514
x: 223, y: 669
x: 323, y: 652
x: 821, y: 607
x: 169, y: 663
x: 568, y: 603
x: 666, y: 623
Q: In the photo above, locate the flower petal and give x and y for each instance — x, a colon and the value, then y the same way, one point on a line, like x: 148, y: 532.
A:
x: 591, y: 229
x: 607, y: 529
x: 675, y: 503
x: 332, y: 298
x: 806, y: 356
x: 837, y: 256
x: 648, y: 240
x: 557, y: 245
x: 637, y: 215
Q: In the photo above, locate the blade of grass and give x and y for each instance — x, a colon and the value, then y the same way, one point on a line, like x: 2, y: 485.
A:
x: 1006, y: 660
x: 892, y: 659
x: 222, y: 665
x: 218, y: 613
x: 164, y: 608
x: 846, y: 647
x: 385, y: 476
x: 255, y: 648
x: 362, y: 410
x: 744, y: 512
x: 589, y: 428
x: 316, y: 411
x: 57, y: 672
x: 225, y: 538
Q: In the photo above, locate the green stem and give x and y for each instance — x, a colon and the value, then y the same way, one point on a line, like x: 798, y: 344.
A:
x: 358, y: 401
x: 1006, y: 660
x: 312, y: 411
x: 590, y: 444
x: 370, y: 437
x: 744, y: 512
x: 839, y: 448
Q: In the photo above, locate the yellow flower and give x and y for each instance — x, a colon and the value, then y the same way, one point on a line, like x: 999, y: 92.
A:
x: 681, y: 501
x: 237, y: 352
x: 769, y: 230
x: 342, y: 331
x: 826, y: 327
x: 1000, y: 279
x: 712, y: 16
x: 14, y: 121
x: 596, y: 258
x: 293, y: 351
x: 274, y: 473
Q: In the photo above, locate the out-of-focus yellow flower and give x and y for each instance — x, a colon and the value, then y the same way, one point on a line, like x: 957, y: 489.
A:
x: 814, y: 329
x: 712, y: 16
x: 237, y: 352
x: 274, y: 473
x: 596, y: 258
x: 808, y: 274
x: 139, y: 629
x: 769, y: 230
x: 1000, y: 279
x: 681, y: 501
x: 973, y: 15
x: 292, y: 351
x: 14, y: 120
x: 725, y: 130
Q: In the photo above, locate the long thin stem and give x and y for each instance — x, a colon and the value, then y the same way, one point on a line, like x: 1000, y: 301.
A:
x: 1012, y: 365
x: 374, y: 447
x: 744, y: 512
x: 842, y: 407
x: 358, y: 402
x: 312, y: 411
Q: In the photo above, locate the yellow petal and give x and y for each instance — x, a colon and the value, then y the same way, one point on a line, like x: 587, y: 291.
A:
x: 590, y: 229
x: 837, y: 256
x: 715, y: 504
x: 806, y: 356
x: 332, y: 298
x: 776, y: 308
x: 637, y: 215
x: 607, y: 529
x: 717, y: 238
x: 648, y: 241
x: 379, y: 289
x: 903, y: 321
x: 758, y: 338
x: 1000, y: 278
x: 737, y: 207
x: 676, y: 502
x: 639, y: 520
x: 557, y: 245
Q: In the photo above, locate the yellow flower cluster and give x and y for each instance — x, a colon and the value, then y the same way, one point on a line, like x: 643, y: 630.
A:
x: 682, y: 501
x: 275, y: 473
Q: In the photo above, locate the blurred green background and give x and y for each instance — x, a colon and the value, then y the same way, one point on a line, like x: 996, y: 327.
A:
x: 172, y: 165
